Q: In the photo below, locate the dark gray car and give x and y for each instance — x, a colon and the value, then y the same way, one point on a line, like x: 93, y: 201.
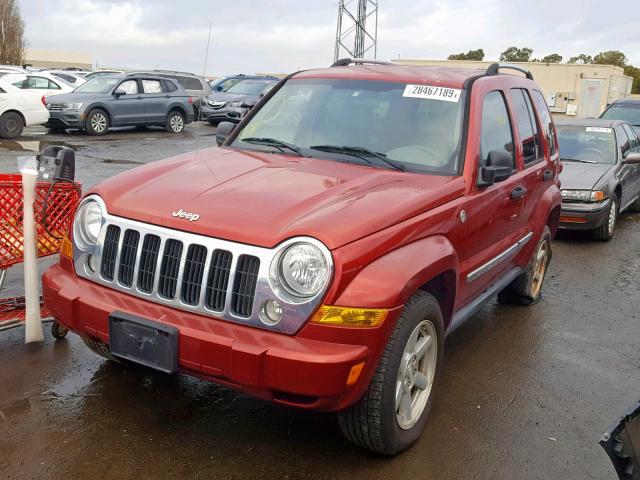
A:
x: 232, y: 105
x: 625, y: 109
x: 601, y: 175
x: 121, y: 101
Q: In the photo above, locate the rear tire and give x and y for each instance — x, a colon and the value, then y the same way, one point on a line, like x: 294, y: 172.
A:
x: 100, y: 348
x: 11, y: 125
x: 175, y: 122
x: 527, y: 288
x: 605, y: 232
x: 381, y: 421
x: 97, y: 122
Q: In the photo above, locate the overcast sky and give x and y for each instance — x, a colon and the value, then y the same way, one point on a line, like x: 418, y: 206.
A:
x: 283, y: 35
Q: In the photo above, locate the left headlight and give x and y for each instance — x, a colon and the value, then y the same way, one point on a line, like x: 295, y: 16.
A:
x: 73, y: 106
x: 88, y: 223
x: 587, y: 196
x: 302, y: 269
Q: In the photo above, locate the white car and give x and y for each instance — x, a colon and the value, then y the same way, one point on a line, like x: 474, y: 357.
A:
x: 19, y: 108
x: 70, y: 76
x: 42, y: 83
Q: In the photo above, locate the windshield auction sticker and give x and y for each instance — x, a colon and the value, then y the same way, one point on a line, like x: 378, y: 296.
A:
x: 599, y: 130
x: 432, y: 93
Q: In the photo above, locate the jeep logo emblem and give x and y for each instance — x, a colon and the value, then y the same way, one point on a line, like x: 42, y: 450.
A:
x: 192, y: 217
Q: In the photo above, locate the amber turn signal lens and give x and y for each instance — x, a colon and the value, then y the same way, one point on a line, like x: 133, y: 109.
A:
x: 66, y: 249
x: 598, y: 196
x: 349, y: 317
x: 354, y: 374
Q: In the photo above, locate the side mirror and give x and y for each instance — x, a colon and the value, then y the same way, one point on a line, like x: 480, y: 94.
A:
x: 633, y: 158
x: 118, y: 93
x: 223, y: 131
x: 499, y: 167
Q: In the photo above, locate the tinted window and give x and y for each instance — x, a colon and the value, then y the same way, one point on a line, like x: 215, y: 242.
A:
x: 587, y: 144
x: 130, y: 87
x: 2, y: 91
x: 527, y: 127
x: 65, y: 77
x: 169, y: 86
x: 422, y: 134
x: 496, y: 126
x: 546, y: 121
x: 624, y: 141
x: 249, y: 87
x: 635, y: 143
x: 151, y: 86
x: 628, y: 112
x: 188, y: 83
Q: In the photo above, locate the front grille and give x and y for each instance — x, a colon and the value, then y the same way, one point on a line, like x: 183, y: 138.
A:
x: 181, y: 272
x: 245, y: 285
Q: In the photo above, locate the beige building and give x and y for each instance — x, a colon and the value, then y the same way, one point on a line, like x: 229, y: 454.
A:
x: 570, y: 90
x: 57, y: 59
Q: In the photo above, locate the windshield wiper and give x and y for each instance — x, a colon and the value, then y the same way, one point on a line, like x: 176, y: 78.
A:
x: 577, y: 160
x: 360, y: 152
x: 272, y: 142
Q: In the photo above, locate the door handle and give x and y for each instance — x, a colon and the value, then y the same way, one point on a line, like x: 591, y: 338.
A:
x: 547, y: 175
x: 518, y: 192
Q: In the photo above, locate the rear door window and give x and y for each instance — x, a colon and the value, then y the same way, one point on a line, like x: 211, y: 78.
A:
x: 633, y: 138
x: 547, y: 122
x: 151, y: 86
x: 496, y: 127
x: 527, y: 125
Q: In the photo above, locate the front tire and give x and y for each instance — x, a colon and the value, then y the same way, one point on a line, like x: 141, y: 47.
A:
x: 175, y: 122
x: 11, y: 125
x: 97, y: 122
x: 392, y: 413
x: 527, y: 288
x: 605, y: 232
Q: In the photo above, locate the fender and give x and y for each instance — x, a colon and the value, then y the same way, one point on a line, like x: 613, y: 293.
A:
x: 391, y: 279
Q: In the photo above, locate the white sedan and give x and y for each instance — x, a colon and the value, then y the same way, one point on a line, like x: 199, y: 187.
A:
x: 38, y: 82
x: 19, y: 108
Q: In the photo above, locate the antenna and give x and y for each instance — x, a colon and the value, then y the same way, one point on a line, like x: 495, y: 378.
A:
x: 357, y: 30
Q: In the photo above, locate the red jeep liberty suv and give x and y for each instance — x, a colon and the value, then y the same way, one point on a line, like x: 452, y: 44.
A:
x: 355, y: 216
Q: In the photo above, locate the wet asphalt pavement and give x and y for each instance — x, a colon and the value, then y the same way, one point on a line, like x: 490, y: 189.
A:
x: 525, y: 394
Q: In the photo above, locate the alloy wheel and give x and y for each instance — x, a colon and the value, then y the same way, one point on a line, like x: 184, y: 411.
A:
x: 176, y: 123
x: 98, y: 122
x: 540, y: 268
x: 415, y: 375
x: 613, y: 214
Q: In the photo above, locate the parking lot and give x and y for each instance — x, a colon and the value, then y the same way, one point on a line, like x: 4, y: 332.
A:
x: 526, y: 392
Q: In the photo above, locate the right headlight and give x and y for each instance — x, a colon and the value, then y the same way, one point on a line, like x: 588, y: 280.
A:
x: 88, y: 223
x: 302, y: 269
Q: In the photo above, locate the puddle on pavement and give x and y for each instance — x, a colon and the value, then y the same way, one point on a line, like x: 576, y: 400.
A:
x: 28, y: 145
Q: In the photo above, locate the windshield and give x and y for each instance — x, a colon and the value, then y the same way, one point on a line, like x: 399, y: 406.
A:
x: 249, y: 87
x: 587, y: 144
x: 97, y: 85
x: 627, y: 112
x: 418, y: 132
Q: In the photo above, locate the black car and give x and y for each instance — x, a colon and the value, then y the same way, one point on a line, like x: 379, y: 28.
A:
x: 601, y: 175
x: 121, y: 101
x: 234, y: 104
x: 625, y: 109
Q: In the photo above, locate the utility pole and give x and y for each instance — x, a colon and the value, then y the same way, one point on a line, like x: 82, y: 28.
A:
x: 357, y: 30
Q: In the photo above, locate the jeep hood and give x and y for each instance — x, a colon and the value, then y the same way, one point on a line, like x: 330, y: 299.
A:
x: 262, y: 199
x: 582, y: 176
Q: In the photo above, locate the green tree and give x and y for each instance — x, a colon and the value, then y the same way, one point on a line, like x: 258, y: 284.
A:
x: 553, y: 58
x: 634, y: 73
x: 515, y: 54
x: 470, y: 55
x: 612, y: 57
x: 582, y: 58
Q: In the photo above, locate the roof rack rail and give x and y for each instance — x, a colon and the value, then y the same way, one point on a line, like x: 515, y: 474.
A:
x: 494, y: 69
x: 345, y: 62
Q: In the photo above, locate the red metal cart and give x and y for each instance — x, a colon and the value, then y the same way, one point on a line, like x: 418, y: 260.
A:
x: 54, y: 207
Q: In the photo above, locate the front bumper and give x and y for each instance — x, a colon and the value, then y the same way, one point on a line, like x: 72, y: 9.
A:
x: 65, y: 119
x: 583, y: 216
x: 224, y: 114
x: 294, y: 370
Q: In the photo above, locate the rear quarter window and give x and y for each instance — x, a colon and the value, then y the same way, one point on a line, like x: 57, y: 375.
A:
x: 169, y: 86
x: 189, y: 83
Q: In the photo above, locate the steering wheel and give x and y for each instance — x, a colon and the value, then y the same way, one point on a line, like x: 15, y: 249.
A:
x: 408, y: 153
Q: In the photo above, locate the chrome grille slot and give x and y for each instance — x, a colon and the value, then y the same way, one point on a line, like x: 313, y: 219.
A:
x: 169, y: 269
x: 244, y: 285
x: 128, y: 253
x: 109, y: 252
x: 218, y: 280
x: 148, y: 262
x: 193, y: 273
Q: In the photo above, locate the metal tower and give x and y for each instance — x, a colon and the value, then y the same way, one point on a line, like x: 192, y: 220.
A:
x: 357, y: 32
